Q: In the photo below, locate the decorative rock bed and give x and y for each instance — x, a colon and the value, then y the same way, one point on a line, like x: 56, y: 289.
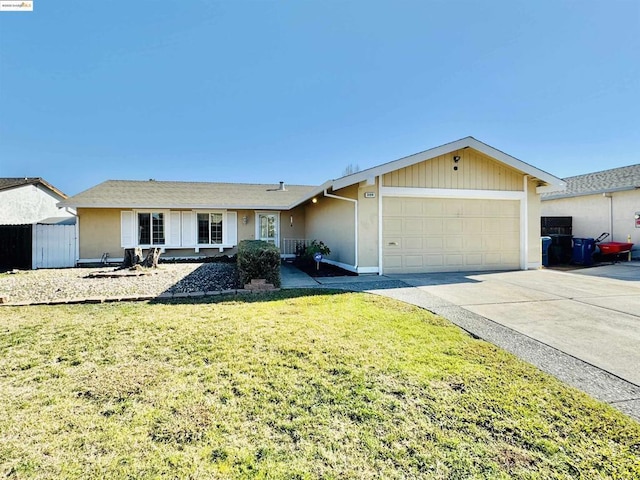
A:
x: 96, y: 285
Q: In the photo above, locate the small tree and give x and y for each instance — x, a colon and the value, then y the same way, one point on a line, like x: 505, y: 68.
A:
x: 350, y: 169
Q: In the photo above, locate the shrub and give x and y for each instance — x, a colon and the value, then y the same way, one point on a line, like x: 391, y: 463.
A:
x: 258, y: 259
x: 316, y: 247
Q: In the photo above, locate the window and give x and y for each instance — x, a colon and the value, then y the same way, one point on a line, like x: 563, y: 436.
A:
x: 210, y: 228
x: 267, y: 227
x: 151, y: 228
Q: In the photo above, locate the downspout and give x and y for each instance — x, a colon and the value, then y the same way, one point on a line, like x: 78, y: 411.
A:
x: 380, y: 272
x: 610, y: 197
x: 525, y: 232
x: 355, y: 226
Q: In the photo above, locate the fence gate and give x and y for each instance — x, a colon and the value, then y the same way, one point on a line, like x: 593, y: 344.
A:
x: 15, y: 247
x: 54, y: 246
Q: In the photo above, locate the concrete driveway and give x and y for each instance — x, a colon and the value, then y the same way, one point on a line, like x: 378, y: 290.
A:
x: 583, y: 313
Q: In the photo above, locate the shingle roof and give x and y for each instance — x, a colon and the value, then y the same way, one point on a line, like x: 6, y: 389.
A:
x: 8, y: 183
x: 160, y: 194
x: 613, y: 180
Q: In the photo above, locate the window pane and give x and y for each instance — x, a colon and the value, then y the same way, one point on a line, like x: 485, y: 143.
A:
x: 144, y: 229
x: 216, y: 228
x: 264, y: 227
x: 203, y: 228
x: 272, y: 226
x: 158, y: 228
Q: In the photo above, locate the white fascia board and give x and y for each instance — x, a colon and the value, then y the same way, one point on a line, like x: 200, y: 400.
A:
x: 514, y: 162
x: 451, y: 193
x: 443, y: 150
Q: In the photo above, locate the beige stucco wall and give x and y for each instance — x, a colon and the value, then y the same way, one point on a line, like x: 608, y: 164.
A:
x: 476, y: 171
x: 368, y: 226
x: 592, y: 215
x: 292, y: 224
x: 534, y: 255
x: 332, y: 221
x: 99, y: 233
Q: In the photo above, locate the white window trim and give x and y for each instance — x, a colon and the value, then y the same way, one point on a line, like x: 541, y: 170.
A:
x: 257, y: 222
x: 225, y: 225
x: 166, y: 222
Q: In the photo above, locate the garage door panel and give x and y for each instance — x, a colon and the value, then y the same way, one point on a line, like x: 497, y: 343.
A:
x: 434, y: 260
x: 433, y: 226
x: 392, y: 225
x: 453, y: 244
x: 412, y: 207
x: 474, y: 260
x: 450, y: 235
x: 413, y: 261
x: 412, y: 226
x: 434, y: 208
x: 454, y: 260
x: 472, y: 209
x: 392, y: 206
x: 434, y: 244
x: 453, y: 226
x: 412, y: 243
x: 472, y: 225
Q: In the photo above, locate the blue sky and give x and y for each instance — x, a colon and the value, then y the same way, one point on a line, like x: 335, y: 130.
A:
x: 263, y: 91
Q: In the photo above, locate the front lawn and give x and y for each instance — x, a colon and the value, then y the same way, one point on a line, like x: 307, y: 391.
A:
x: 291, y: 385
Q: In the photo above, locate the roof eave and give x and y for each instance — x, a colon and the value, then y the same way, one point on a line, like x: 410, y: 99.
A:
x: 593, y: 192
x: 175, y: 207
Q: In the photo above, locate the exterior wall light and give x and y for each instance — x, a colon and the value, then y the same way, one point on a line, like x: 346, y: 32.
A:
x: 314, y: 200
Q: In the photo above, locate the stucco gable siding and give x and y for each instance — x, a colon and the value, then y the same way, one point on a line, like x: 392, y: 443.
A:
x: 476, y: 171
x: 28, y: 204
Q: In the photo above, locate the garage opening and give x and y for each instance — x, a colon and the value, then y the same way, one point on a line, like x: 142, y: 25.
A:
x: 423, y: 235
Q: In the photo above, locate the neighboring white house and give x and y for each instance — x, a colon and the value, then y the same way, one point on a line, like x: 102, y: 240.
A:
x: 606, y: 201
x: 29, y: 200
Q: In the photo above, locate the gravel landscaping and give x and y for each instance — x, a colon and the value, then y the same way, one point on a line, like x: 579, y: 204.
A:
x: 39, y: 286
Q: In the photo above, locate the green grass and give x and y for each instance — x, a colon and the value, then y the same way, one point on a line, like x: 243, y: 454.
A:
x: 292, y: 385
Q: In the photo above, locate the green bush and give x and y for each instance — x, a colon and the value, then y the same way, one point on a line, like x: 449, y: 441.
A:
x: 316, y: 246
x: 258, y: 259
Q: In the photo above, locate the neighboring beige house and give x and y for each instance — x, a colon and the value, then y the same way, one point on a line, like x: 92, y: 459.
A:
x: 606, y: 201
x: 29, y: 200
x: 463, y: 206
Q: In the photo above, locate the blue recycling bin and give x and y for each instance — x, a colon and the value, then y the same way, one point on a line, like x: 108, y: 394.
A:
x: 583, y: 249
x: 546, y: 241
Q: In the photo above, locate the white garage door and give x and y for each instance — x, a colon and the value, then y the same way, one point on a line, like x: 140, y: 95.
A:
x: 450, y: 235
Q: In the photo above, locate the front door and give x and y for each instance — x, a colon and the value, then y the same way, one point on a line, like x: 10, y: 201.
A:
x: 267, y: 225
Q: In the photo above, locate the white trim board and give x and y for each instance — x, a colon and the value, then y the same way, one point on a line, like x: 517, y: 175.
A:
x: 451, y: 193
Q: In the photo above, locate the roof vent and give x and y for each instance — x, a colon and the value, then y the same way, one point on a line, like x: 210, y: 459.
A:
x: 281, y: 188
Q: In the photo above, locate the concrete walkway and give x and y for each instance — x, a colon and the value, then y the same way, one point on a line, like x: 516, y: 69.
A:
x: 582, y: 327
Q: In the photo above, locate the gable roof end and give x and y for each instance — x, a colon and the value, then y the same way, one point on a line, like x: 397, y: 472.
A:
x: 9, y: 183
x: 552, y: 183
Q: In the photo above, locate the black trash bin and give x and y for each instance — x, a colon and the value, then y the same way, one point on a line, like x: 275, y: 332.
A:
x: 583, y: 249
x: 546, y: 242
x: 560, y: 250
